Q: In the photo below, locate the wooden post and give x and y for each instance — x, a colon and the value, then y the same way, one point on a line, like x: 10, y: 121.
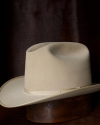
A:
x: 59, y: 110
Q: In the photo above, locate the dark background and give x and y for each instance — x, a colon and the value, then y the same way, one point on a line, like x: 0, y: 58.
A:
x: 27, y: 22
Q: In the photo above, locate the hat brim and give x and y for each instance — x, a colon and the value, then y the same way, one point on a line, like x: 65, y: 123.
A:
x: 12, y: 94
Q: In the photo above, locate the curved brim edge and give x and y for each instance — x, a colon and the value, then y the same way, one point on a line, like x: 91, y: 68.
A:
x: 17, y: 97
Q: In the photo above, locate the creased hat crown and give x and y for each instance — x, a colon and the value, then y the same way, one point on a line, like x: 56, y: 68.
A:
x: 57, y: 66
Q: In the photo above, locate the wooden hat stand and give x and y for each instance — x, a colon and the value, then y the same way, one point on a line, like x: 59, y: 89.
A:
x: 59, y: 110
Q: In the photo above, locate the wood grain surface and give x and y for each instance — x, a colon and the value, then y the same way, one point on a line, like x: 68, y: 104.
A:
x: 59, y: 110
x: 17, y: 116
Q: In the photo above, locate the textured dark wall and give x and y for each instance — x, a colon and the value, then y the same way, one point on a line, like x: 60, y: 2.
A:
x: 27, y: 22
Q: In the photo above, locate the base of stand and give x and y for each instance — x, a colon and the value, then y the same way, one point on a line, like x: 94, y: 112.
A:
x: 59, y: 110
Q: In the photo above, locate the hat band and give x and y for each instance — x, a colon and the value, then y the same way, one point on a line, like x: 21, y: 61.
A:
x: 48, y: 92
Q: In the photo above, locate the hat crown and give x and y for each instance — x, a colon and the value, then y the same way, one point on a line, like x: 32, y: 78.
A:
x: 57, y: 66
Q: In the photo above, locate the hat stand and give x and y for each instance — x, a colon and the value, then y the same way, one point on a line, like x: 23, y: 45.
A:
x: 59, y: 110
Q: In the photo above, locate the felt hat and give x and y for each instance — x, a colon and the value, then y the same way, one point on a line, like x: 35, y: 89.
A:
x: 53, y: 70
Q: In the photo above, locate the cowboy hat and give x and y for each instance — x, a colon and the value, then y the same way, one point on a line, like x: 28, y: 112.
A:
x: 53, y: 70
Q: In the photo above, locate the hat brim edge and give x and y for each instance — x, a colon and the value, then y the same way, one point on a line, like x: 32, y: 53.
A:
x: 74, y: 92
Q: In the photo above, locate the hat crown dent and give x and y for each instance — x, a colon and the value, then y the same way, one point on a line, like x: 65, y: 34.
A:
x: 57, y: 66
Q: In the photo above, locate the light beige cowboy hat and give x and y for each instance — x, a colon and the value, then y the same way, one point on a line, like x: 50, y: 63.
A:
x: 53, y: 71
